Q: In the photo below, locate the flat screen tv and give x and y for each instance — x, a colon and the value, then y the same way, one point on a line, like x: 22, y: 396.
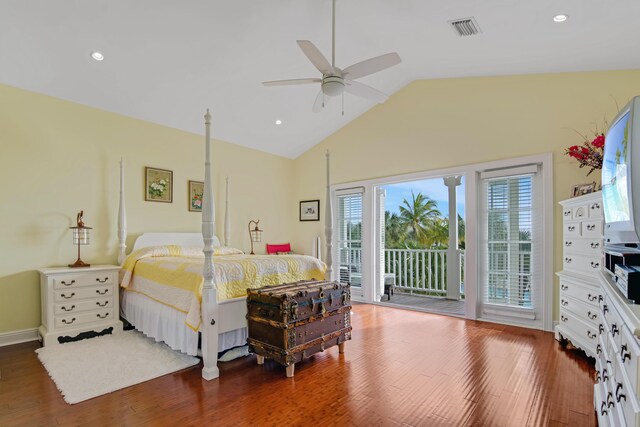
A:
x: 621, y: 178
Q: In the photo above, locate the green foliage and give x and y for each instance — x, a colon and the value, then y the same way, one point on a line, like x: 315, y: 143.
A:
x: 420, y: 225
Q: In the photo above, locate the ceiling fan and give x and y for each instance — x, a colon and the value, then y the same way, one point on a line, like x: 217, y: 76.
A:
x: 336, y: 81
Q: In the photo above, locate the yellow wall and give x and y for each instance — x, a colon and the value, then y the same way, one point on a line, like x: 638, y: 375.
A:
x: 58, y: 157
x: 434, y: 124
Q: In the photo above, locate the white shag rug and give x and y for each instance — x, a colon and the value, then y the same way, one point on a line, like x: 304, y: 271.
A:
x: 92, y: 367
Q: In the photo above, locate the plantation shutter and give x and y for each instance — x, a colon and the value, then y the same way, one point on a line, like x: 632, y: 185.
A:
x: 349, y: 235
x: 510, y: 242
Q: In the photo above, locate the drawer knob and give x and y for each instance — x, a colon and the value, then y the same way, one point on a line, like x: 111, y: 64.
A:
x: 603, y: 410
x: 595, y: 245
x: 624, y: 353
x: 568, y: 243
x: 564, y: 287
x: 563, y: 318
x: 103, y: 280
x: 68, y: 283
x: 567, y: 260
x: 591, y: 316
x: 69, y: 322
x: 591, y: 297
x: 571, y: 227
x: 605, y: 377
x: 605, y: 308
x: 610, y: 402
x: 595, y: 206
x: 567, y: 213
x: 598, y: 351
x: 614, y: 330
x: 101, y: 292
x: 68, y: 309
x: 67, y: 297
x: 104, y: 304
x: 103, y: 317
x: 619, y: 394
x: 595, y: 264
x: 591, y: 335
x: 601, y: 329
x: 590, y: 227
x: 564, y: 303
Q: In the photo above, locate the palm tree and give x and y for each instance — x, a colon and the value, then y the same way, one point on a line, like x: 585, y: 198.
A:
x: 394, y: 231
x: 417, y: 216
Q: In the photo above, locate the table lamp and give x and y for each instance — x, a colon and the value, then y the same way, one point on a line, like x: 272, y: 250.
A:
x: 255, y: 234
x: 80, y: 237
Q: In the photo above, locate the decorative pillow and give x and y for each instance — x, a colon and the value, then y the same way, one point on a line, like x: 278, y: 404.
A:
x: 277, y: 249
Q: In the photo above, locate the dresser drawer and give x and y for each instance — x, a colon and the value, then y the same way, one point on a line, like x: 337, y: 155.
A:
x: 629, y: 357
x: 82, y: 293
x: 72, y: 320
x: 580, y: 292
x: 64, y: 308
x: 613, y: 322
x: 75, y: 280
x: 595, y: 209
x: 587, y: 313
x: 589, y: 333
x: 592, y: 228
x: 574, y: 245
x: 623, y: 397
x: 571, y: 229
x: 582, y: 264
x: 580, y: 212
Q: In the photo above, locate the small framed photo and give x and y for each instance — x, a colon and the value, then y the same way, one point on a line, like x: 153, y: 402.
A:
x: 582, y: 189
x: 310, y: 210
x: 158, y: 185
x: 196, y: 191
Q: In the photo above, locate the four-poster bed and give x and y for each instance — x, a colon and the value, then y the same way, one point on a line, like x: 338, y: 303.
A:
x: 222, y: 323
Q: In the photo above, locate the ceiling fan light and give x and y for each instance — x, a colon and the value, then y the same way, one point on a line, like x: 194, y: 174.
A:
x: 332, y: 86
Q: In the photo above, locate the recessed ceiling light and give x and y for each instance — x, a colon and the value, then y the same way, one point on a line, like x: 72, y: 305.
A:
x: 561, y: 17
x: 97, y: 56
x: 278, y: 122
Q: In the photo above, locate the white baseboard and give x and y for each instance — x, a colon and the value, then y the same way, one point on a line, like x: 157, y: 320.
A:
x: 16, y: 337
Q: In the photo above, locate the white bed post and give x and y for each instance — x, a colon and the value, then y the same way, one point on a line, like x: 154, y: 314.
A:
x: 210, y: 322
x: 227, y: 219
x: 328, y: 224
x: 122, y: 219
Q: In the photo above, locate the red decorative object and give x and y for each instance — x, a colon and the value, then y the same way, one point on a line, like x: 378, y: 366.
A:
x: 589, y: 153
x: 274, y: 249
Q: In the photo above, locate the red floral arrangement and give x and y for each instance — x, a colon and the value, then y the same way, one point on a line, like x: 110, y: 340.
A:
x: 589, y: 153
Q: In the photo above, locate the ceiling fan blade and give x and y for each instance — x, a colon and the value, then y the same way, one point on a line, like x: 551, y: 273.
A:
x: 372, y: 65
x: 320, y: 102
x: 315, y: 56
x: 365, y: 91
x: 291, y: 82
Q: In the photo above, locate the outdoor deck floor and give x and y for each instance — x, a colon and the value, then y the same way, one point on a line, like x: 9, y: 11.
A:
x: 424, y: 303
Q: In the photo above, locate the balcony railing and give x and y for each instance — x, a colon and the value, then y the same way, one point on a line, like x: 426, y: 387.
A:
x: 419, y: 271
x: 422, y: 271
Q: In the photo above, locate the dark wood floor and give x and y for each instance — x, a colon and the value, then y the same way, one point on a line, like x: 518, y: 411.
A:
x: 401, y: 368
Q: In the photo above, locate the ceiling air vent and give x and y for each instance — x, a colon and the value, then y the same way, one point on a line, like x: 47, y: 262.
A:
x: 465, y: 27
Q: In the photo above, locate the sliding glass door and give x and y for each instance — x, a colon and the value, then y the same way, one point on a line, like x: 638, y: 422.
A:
x: 349, y: 227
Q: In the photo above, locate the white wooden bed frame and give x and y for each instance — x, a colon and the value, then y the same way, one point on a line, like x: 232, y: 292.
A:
x: 217, y: 317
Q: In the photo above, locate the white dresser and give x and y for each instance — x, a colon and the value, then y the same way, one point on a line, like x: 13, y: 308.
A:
x: 582, y: 260
x: 617, y: 392
x: 78, y: 303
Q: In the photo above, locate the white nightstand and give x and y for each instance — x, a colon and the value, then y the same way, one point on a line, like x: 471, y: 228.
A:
x: 79, y: 303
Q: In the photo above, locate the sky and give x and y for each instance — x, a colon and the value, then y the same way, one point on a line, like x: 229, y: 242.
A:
x: 434, y: 188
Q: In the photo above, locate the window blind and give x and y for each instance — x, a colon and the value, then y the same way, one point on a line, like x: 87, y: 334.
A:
x: 510, y: 222
x: 349, y: 237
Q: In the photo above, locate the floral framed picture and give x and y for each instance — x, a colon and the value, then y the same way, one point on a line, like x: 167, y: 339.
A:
x: 196, y: 191
x: 310, y: 210
x: 158, y: 185
x: 582, y: 189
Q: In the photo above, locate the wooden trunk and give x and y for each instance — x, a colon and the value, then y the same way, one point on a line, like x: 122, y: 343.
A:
x: 290, y: 322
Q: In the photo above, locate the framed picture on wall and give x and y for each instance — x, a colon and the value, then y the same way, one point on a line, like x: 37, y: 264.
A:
x: 310, y: 210
x: 158, y: 185
x: 196, y: 191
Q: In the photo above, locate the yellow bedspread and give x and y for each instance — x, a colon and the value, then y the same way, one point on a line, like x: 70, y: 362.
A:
x: 172, y: 275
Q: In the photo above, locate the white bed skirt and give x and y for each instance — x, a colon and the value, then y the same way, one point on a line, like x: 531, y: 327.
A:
x: 166, y: 324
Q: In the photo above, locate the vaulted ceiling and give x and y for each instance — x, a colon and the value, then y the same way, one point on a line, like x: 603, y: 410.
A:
x: 166, y: 60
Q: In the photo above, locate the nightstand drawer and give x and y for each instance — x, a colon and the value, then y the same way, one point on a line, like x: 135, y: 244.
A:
x: 72, y: 320
x: 82, y: 293
x: 64, y: 308
x: 70, y: 281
